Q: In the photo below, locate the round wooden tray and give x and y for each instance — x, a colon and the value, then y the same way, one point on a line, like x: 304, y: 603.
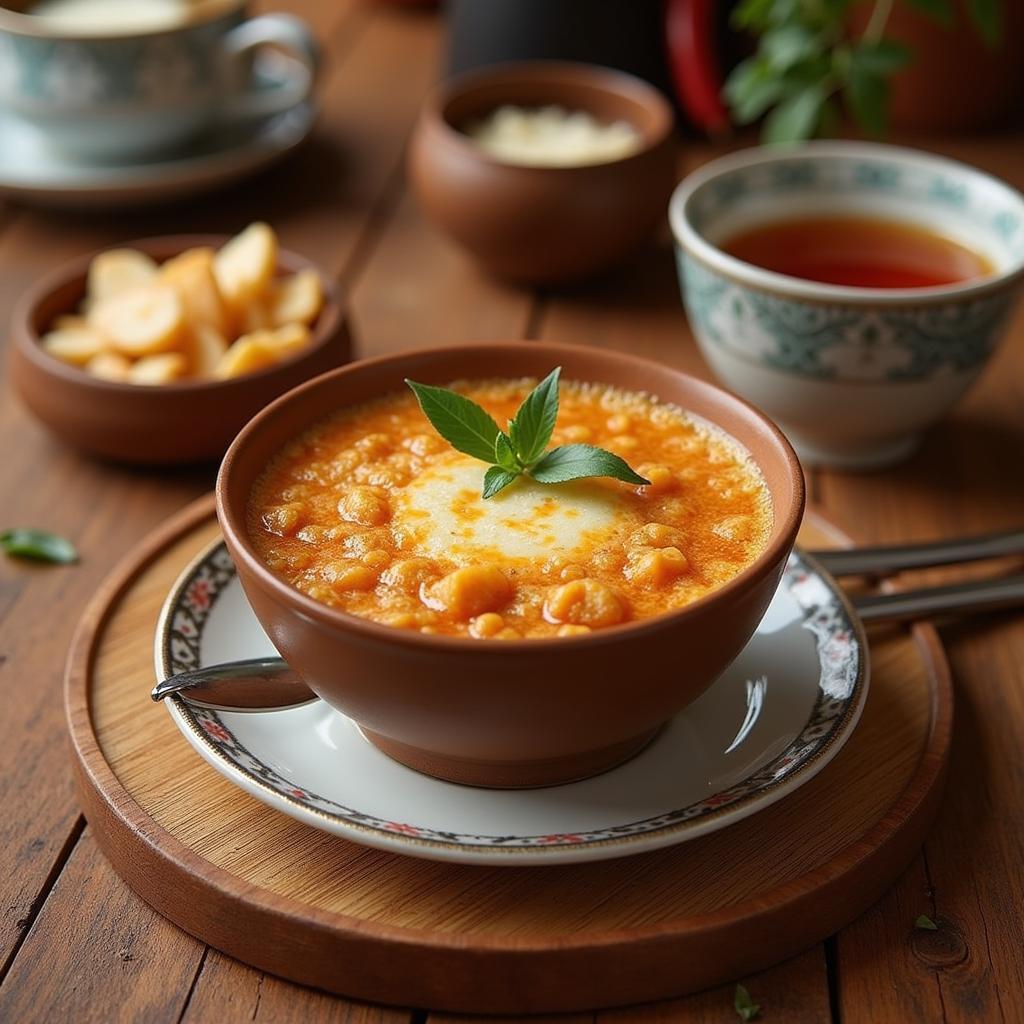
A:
x: 314, y: 908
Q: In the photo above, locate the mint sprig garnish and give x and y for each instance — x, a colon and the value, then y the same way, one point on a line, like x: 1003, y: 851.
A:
x: 522, y: 449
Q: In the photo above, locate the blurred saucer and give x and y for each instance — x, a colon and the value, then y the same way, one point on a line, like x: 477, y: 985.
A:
x: 32, y: 171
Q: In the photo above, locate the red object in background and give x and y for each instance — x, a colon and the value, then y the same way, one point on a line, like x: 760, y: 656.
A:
x: 693, y: 62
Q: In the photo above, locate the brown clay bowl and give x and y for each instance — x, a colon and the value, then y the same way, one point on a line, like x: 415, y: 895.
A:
x: 188, y: 421
x: 543, y: 225
x: 519, y: 713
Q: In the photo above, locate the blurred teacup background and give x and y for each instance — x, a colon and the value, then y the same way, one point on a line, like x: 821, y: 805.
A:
x: 852, y: 373
x: 121, y: 79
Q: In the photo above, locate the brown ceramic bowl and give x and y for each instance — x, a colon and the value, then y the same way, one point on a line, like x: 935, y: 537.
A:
x: 187, y: 421
x: 543, y: 225
x: 518, y: 713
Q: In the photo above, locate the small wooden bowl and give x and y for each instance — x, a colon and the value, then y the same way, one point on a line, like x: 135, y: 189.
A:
x: 188, y: 421
x: 543, y: 225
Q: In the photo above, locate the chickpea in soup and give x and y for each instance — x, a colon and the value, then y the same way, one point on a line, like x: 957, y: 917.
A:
x: 373, y: 513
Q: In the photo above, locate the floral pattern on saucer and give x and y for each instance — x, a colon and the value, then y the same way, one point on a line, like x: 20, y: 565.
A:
x: 841, y: 687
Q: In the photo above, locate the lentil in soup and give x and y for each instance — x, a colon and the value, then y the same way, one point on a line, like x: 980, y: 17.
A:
x: 371, y: 512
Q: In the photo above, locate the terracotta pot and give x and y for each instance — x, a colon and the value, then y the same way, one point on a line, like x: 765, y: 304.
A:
x: 188, y: 421
x: 519, y: 713
x: 543, y: 225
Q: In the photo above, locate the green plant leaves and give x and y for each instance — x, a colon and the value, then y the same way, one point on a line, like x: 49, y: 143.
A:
x: 939, y: 10
x: 925, y: 923
x: 38, y: 545
x: 471, y: 430
x: 881, y: 58
x: 751, y: 89
x: 987, y: 16
x: 530, y: 429
x: 462, y: 423
x: 867, y: 96
x: 575, y: 461
x: 797, y: 117
x: 807, y: 59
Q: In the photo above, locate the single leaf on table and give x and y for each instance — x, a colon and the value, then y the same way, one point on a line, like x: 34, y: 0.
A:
x: 576, y: 461
x: 461, y: 422
x: 744, y: 1005
x: 531, y: 427
x: 925, y: 923
x: 497, y: 479
x: 39, y: 545
x: 797, y: 117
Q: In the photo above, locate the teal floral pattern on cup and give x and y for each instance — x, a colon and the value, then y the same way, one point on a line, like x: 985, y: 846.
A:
x: 834, y: 340
x: 853, y: 376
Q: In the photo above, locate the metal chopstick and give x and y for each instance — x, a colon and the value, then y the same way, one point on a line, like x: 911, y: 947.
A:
x: 892, y: 558
x: 975, y: 596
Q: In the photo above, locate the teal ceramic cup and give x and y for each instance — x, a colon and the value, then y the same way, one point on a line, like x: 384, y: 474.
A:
x: 852, y: 375
x: 114, y: 89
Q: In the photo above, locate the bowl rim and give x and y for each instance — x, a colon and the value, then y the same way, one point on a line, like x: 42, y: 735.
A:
x: 694, y: 244
x: 595, y: 76
x: 27, y: 339
x: 234, y: 527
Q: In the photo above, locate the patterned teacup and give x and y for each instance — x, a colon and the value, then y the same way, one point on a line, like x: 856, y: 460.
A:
x: 852, y: 375
x: 104, y: 85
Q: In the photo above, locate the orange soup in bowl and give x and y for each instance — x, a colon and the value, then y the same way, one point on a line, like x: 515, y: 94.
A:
x: 373, y: 513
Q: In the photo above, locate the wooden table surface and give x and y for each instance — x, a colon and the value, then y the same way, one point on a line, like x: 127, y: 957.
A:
x: 77, y: 944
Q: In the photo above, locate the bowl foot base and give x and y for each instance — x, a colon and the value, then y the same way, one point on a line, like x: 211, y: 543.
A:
x: 512, y: 774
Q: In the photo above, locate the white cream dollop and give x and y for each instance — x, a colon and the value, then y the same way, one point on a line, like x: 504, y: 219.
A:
x: 552, y: 137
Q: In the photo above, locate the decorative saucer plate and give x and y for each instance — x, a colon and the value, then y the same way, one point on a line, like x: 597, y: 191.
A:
x: 34, y: 171
x: 776, y: 717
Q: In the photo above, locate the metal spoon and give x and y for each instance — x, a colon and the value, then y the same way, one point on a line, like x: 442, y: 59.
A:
x: 268, y: 684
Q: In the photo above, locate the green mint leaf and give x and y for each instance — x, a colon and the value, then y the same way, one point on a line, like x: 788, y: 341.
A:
x: 575, y: 461
x: 497, y: 479
x: 24, y: 542
x: 881, y: 58
x: 461, y: 422
x: 938, y: 10
x: 925, y: 923
x: 867, y: 96
x: 531, y: 427
x: 987, y: 16
x: 504, y: 456
x: 797, y: 117
x: 744, y: 1005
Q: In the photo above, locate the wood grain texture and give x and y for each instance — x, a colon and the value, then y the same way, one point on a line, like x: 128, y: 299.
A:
x: 322, y: 201
x: 293, y: 900
x: 109, y: 957
x: 341, y: 200
x: 971, y: 870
